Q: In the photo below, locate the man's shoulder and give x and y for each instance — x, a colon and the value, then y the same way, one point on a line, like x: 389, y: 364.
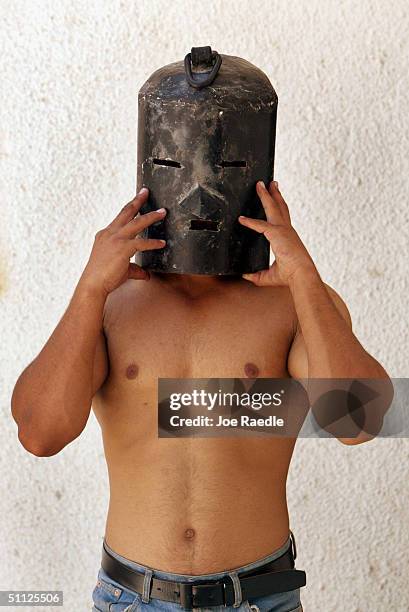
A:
x: 274, y: 304
x: 123, y: 298
x: 279, y: 299
x: 278, y: 295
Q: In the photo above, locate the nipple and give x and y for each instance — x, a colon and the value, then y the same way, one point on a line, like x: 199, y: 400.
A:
x: 132, y: 370
x: 251, y: 370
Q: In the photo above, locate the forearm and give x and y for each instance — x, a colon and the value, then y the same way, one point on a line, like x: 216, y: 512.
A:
x: 52, y: 398
x: 332, y: 348
x: 333, y: 353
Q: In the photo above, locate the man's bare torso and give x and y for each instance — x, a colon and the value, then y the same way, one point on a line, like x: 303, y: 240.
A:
x: 192, y: 505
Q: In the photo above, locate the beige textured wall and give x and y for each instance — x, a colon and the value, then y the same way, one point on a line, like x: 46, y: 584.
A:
x: 70, y: 72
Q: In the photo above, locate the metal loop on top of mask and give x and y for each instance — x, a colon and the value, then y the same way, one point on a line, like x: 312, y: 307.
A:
x: 202, y: 56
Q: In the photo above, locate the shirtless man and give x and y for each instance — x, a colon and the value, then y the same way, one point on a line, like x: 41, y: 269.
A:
x: 185, y: 505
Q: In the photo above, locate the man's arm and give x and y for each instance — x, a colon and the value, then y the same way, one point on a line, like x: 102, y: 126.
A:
x: 52, y: 398
x: 324, y: 346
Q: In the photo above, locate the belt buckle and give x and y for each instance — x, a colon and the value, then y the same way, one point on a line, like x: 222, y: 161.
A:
x: 185, y: 595
x: 228, y: 593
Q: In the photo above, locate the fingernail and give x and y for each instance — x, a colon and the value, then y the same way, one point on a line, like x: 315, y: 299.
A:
x: 161, y: 210
x: 262, y: 184
x: 143, y: 190
x: 275, y: 184
x: 162, y: 241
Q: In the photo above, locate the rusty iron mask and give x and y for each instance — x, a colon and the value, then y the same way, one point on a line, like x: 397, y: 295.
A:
x: 206, y: 135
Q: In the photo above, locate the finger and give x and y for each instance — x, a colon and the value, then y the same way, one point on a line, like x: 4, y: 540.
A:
x: 138, y: 273
x: 129, y: 210
x: 265, y: 278
x: 276, y: 195
x: 258, y: 225
x: 141, y: 222
x: 272, y: 210
x: 258, y: 278
x: 148, y: 244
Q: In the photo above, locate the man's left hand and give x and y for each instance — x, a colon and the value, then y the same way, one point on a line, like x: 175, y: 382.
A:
x: 291, y: 256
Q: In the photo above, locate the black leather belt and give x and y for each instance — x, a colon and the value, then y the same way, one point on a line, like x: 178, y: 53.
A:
x: 274, y: 577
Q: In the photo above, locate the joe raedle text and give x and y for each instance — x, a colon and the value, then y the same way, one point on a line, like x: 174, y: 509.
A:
x: 223, y: 421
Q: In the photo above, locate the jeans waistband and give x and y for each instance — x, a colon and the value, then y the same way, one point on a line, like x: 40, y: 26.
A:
x: 139, y: 567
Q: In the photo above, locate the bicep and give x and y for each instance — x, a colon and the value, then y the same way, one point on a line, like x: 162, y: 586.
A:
x: 297, y: 363
x: 101, y: 367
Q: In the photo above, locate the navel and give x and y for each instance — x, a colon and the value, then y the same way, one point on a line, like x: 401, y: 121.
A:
x: 189, y: 534
x: 251, y: 370
x: 132, y: 370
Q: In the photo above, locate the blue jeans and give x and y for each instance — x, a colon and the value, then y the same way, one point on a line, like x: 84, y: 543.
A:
x: 110, y: 596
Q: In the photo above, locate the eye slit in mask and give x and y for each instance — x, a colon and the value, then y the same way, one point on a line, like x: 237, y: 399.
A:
x: 233, y: 164
x: 166, y: 162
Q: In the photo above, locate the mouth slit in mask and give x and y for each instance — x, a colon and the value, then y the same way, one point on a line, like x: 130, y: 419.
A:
x: 204, y: 224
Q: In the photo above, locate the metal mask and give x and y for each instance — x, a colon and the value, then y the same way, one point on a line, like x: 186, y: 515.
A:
x: 206, y: 134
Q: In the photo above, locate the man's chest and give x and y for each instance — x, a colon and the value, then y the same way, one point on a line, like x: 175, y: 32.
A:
x: 171, y: 339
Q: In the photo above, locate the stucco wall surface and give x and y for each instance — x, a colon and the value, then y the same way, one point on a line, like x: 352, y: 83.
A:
x: 70, y: 72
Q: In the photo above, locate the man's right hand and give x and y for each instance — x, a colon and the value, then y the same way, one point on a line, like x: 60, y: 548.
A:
x: 109, y: 263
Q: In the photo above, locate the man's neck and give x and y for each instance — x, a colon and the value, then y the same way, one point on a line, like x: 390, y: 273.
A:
x: 196, y: 285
